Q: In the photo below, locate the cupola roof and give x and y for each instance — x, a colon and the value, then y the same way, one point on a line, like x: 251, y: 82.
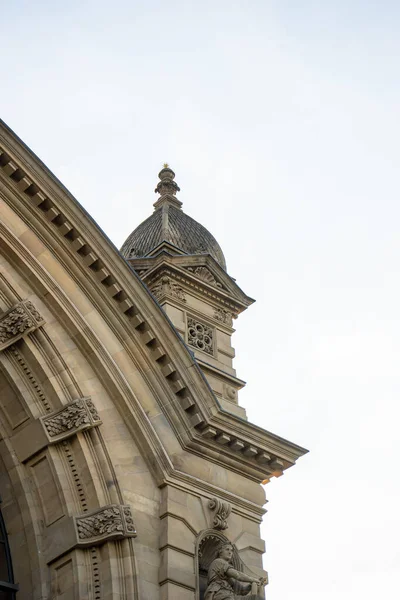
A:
x: 170, y: 224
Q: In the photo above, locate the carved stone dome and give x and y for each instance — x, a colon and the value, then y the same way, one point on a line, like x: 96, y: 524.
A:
x: 169, y: 223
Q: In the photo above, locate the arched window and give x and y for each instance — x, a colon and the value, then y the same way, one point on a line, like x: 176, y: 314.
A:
x: 8, y: 588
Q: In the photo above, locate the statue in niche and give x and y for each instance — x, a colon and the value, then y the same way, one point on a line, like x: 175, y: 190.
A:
x: 221, y: 575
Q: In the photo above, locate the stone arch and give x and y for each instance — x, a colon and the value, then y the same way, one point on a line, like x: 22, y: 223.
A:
x: 45, y: 486
x: 8, y: 588
x: 160, y: 419
x: 21, y: 518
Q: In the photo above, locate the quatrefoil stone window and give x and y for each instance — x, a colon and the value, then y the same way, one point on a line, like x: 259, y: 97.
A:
x: 200, y: 335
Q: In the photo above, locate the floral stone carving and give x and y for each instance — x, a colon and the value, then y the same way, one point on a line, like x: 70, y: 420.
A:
x: 17, y: 322
x: 205, y: 275
x: 105, y: 524
x: 200, y: 336
x: 223, y: 315
x: 222, y: 512
x: 76, y: 416
x: 167, y: 287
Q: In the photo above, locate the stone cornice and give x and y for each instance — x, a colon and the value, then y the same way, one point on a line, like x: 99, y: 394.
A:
x: 183, y: 270
x: 193, y: 412
x: 194, y: 286
x: 136, y: 419
x: 238, y: 383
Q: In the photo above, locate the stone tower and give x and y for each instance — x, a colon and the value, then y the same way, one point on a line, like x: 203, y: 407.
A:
x: 185, y: 269
x: 127, y: 468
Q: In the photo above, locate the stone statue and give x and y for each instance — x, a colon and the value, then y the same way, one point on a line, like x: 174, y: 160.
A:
x: 220, y: 576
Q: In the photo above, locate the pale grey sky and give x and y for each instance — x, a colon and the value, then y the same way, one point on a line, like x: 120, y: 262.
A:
x: 281, y: 122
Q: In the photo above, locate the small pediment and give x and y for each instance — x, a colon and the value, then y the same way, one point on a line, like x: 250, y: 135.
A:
x: 206, y: 275
x: 198, y: 270
x: 207, y: 271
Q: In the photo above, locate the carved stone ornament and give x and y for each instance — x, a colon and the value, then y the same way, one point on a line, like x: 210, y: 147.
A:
x: 205, y: 275
x: 17, y: 322
x: 142, y: 273
x: 104, y: 524
x: 167, y: 287
x: 216, y: 555
x: 223, y: 315
x: 222, y: 512
x: 200, y: 336
x: 76, y: 416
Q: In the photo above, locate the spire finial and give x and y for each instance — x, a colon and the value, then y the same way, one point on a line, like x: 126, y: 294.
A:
x: 167, y: 186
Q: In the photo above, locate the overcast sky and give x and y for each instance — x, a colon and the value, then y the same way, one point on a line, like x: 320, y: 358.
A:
x: 281, y: 121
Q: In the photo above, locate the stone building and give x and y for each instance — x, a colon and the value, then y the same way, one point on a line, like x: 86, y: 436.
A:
x: 126, y: 461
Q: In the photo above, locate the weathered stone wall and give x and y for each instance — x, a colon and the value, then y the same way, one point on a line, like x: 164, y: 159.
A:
x: 69, y: 458
x: 112, y: 444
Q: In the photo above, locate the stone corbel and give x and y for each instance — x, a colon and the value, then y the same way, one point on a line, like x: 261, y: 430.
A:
x: 17, y: 322
x: 165, y: 286
x: 221, y: 515
x: 105, y: 524
x: 78, y: 415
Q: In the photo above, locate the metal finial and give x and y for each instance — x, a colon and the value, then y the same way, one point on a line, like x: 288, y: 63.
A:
x: 165, y: 165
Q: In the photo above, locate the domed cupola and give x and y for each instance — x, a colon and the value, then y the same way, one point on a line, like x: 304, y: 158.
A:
x: 170, y: 224
x: 184, y: 268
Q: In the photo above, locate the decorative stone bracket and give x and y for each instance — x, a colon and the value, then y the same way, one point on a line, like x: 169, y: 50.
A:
x: 59, y: 425
x: 165, y: 286
x: 108, y: 523
x: 105, y: 524
x: 18, y: 322
x: 221, y: 515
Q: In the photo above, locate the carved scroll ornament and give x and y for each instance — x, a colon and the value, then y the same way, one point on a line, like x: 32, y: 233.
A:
x: 222, y: 512
x: 17, y: 322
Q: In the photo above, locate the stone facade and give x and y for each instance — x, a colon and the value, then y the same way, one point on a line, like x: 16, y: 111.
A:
x: 120, y: 473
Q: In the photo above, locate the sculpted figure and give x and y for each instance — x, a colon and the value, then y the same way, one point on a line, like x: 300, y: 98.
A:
x: 221, y: 573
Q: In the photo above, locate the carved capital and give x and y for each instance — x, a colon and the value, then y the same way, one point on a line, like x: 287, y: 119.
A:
x: 107, y: 523
x: 17, y: 322
x: 222, y: 512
